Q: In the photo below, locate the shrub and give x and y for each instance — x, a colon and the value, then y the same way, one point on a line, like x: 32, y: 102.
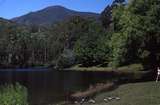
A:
x: 13, y: 95
x: 66, y: 59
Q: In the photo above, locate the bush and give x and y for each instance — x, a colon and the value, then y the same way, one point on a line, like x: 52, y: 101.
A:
x: 13, y: 95
x: 66, y: 59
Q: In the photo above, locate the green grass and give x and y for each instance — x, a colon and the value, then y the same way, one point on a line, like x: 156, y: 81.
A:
x: 77, y: 68
x: 147, y: 93
x: 133, y: 71
x: 128, y: 68
x: 13, y: 95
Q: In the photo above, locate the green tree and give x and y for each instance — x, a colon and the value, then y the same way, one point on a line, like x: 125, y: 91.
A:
x: 92, y: 48
x: 138, y: 26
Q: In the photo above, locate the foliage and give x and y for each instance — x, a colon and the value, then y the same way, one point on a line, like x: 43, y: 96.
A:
x: 106, y: 15
x: 66, y: 59
x: 13, y: 95
x: 127, y: 34
x: 135, y: 37
x: 22, y: 46
x: 92, y: 48
x: 63, y: 37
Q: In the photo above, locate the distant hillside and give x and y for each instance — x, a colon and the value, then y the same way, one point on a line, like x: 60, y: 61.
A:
x: 2, y: 20
x: 51, y: 15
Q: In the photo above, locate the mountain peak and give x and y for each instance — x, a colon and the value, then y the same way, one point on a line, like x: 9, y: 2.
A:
x: 50, y: 15
x: 54, y: 7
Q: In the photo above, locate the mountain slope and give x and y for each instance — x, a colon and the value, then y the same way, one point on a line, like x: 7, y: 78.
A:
x: 51, y: 15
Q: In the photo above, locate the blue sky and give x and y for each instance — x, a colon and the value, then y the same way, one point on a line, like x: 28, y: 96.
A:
x: 15, y: 8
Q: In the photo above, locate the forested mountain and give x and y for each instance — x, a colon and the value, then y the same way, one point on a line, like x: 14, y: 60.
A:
x: 50, y: 15
x: 125, y: 34
x: 23, y: 46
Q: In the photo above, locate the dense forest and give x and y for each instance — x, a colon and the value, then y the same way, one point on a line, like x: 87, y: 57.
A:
x: 126, y: 33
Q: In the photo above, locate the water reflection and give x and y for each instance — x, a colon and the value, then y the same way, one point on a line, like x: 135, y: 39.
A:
x: 51, y: 86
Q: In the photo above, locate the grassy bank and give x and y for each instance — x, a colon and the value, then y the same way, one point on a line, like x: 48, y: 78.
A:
x: 147, y: 93
x: 128, y: 68
x: 124, y: 73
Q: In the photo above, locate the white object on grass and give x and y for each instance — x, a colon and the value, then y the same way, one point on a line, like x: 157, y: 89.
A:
x: 106, y: 100
x: 92, y: 101
x: 110, y: 98
x: 76, y: 102
x: 117, y: 98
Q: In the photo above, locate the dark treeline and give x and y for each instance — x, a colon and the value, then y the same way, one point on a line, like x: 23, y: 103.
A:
x: 23, y: 46
x: 127, y: 33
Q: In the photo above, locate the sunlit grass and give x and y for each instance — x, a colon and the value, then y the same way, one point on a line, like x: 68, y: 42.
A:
x: 128, y: 68
x: 147, y: 93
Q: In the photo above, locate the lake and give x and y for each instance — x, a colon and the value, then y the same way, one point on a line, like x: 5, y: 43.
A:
x: 47, y: 86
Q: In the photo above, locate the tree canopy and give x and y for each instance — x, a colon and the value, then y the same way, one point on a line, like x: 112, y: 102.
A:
x: 127, y: 33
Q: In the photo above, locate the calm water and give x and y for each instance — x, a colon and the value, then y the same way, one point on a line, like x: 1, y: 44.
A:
x: 51, y: 86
